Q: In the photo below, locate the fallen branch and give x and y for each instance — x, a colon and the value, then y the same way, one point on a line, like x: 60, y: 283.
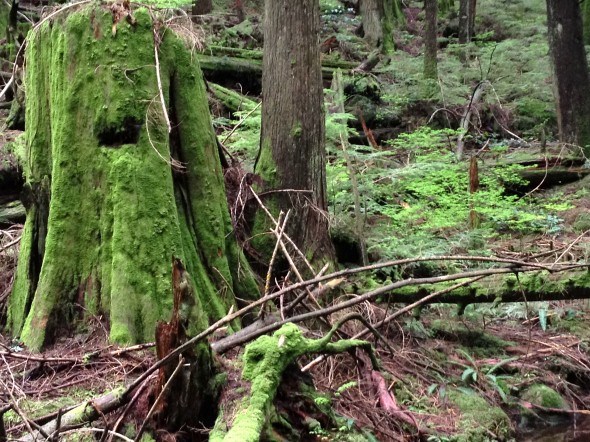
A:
x: 388, y: 403
x: 85, y: 412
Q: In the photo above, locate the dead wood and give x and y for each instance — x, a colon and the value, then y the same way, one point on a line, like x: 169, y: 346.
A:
x: 85, y: 412
x: 387, y: 401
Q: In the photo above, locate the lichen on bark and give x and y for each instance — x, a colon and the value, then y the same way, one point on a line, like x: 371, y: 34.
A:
x: 103, y: 229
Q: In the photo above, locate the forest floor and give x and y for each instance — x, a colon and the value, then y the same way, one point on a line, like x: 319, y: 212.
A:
x: 465, y: 373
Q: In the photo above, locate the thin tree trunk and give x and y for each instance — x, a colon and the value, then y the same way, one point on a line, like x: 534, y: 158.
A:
x: 430, y: 35
x: 379, y: 18
x: 446, y: 6
x: 292, y: 155
x: 585, y: 5
x: 466, y: 20
x: 570, y: 72
x: 371, y: 13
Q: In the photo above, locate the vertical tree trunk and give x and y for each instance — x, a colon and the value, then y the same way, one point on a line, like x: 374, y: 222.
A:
x: 466, y: 20
x: 430, y: 35
x: 379, y: 18
x: 570, y: 72
x: 585, y: 5
x: 292, y: 154
x: 371, y: 13
x: 106, y: 212
x: 446, y: 6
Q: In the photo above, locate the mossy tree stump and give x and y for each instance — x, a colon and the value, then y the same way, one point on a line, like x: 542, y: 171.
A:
x: 106, y: 211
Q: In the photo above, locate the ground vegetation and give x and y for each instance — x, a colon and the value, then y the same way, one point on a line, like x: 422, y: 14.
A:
x: 459, y: 217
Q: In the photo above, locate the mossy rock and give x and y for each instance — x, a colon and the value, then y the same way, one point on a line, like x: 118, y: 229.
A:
x: 543, y: 396
x: 479, y: 420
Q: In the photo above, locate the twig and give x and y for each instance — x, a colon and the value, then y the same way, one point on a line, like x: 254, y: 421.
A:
x: 289, y: 240
x: 159, y: 79
x: 158, y: 399
x: 569, y: 247
x: 241, y: 122
x: 128, y: 407
x: 97, y: 430
x: 466, y: 121
x: 274, y: 252
x: 10, y: 244
x: 542, y: 181
x: 398, y: 313
x: 6, y: 87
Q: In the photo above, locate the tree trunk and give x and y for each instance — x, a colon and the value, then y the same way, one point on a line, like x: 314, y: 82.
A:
x: 570, y: 72
x: 466, y: 20
x: 379, y: 18
x: 371, y: 13
x: 430, y: 35
x: 585, y: 5
x: 446, y: 6
x: 107, y: 209
x: 292, y: 154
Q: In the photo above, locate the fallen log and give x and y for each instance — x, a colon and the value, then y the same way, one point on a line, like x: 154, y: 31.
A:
x: 223, y: 68
x: 265, y: 360
x: 529, y: 287
x: 12, y: 213
x: 223, y: 51
x: 232, y: 100
x: 85, y: 412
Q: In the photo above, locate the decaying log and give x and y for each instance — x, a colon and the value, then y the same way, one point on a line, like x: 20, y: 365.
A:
x: 85, y: 412
x: 12, y: 213
x: 387, y: 400
x: 232, y: 100
x: 265, y: 360
x: 243, y: 64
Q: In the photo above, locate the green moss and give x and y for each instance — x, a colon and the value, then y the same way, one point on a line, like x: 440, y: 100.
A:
x: 296, y: 130
x: 485, y: 344
x: 118, y: 214
x: 264, y: 362
x: 478, y: 418
x: 544, y: 396
x: 582, y: 223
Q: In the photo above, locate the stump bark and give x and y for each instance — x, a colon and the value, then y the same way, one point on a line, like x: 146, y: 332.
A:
x: 112, y: 195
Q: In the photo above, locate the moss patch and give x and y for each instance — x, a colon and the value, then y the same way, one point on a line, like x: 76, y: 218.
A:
x: 544, y: 396
x: 479, y: 420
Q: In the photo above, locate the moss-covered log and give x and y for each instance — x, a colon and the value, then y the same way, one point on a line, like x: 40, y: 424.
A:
x: 265, y: 360
x: 527, y: 287
x: 232, y: 100
x: 222, y: 64
x: 107, y: 210
x: 85, y: 412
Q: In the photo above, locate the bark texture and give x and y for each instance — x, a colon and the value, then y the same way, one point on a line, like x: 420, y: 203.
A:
x: 570, y: 72
x: 106, y: 212
x: 292, y: 154
x: 466, y: 20
x: 430, y: 34
x: 379, y: 18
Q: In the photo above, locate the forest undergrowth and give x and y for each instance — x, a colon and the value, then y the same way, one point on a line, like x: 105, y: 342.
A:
x: 455, y: 371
